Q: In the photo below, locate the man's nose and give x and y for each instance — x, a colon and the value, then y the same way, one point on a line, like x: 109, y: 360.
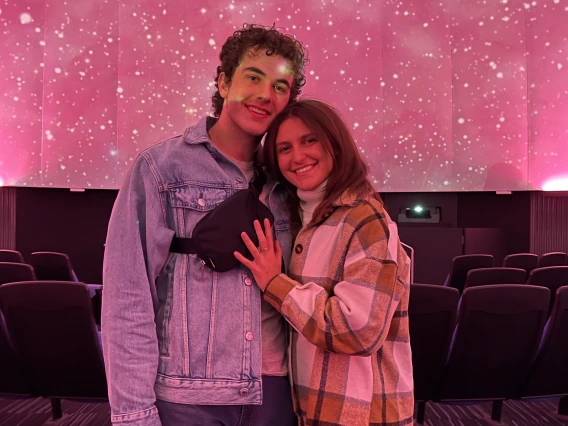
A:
x: 264, y: 92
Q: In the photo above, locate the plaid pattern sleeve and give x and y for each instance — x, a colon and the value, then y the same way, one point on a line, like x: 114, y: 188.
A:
x: 347, y: 299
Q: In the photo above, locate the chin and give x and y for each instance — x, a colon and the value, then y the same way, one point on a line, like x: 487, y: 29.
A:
x: 254, y: 130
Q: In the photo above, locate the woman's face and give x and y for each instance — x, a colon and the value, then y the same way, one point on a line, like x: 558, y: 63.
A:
x: 302, y: 158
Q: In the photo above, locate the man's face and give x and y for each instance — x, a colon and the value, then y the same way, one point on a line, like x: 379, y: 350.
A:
x: 259, y: 90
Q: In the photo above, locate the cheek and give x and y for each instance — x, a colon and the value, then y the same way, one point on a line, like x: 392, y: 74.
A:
x: 281, y: 102
x: 280, y: 160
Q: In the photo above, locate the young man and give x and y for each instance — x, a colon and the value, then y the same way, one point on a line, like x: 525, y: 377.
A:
x: 184, y: 344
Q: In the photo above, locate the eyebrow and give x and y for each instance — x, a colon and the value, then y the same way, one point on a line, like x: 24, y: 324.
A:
x: 303, y: 137
x: 262, y: 73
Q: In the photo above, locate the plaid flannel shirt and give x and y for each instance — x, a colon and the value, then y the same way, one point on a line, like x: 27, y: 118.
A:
x: 347, y: 299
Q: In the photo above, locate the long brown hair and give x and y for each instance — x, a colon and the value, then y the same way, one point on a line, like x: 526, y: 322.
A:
x: 349, y: 170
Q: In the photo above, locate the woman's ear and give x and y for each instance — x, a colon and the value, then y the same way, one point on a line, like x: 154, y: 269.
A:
x: 223, y: 83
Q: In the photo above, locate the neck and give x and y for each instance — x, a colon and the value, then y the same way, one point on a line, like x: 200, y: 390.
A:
x: 309, y: 201
x: 233, y: 141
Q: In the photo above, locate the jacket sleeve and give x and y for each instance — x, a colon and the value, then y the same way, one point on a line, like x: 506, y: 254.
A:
x: 136, y: 250
x: 355, y: 319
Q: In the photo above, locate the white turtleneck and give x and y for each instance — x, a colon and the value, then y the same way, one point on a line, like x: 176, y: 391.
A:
x: 309, y: 201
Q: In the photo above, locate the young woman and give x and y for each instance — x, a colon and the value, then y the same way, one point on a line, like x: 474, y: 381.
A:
x: 346, y: 294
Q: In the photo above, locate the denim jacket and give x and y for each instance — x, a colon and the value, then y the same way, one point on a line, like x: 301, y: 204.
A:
x: 173, y: 329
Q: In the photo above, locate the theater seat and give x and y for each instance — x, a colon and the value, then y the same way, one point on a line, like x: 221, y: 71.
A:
x: 555, y: 258
x: 489, y: 276
x: 551, y: 277
x: 526, y: 261
x: 49, y: 265
x: 497, y: 335
x: 12, y: 256
x: 13, y: 272
x: 461, y: 265
x: 548, y: 376
x: 432, y: 313
x: 51, y: 324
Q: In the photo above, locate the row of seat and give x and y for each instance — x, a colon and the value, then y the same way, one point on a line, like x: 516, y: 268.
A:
x: 44, y: 265
x: 461, y: 265
x: 493, y: 344
x: 551, y: 277
x: 530, y: 261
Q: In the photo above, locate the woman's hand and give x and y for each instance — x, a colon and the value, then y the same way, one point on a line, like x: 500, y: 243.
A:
x: 267, y: 257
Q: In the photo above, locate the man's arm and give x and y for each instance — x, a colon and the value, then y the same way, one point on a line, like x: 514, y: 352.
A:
x: 136, y: 250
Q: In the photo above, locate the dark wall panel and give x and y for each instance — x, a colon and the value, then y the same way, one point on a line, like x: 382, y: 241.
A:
x: 74, y: 223
x: 434, y: 249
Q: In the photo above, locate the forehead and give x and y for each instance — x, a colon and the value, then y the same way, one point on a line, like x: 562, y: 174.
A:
x: 274, y: 66
x: 291, y: 128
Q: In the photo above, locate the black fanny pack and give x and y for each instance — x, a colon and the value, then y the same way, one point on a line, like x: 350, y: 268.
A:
x: 218, y: 234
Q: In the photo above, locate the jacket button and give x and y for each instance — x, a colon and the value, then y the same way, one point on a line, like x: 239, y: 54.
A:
x: 244, y: 392
x: 249, y: 336
x: 299, y: 248
x: 201, y: 202
x: 248, y: 281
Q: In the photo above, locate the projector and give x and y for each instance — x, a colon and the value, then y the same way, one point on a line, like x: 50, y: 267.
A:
x: 419, y: 214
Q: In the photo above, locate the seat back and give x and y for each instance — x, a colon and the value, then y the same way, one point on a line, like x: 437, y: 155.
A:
x: 556, y: 258
x: 549, y: 373
x: 488, y: 276
x: 432, y: 313
x: 526, y: 261
x: 12, y: 256
x: 13, y: 380
x: 54, y: 266
x: 551, y: 277
x: 14, y: 272
x: 52, y: 327
x: 461, y: 265
x: 495, y: 342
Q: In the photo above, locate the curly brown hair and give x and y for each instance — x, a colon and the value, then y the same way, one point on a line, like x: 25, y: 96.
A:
x: 275, y: 43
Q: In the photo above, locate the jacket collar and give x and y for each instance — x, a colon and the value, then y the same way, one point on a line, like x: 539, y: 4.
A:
x: 351, y: 198
x: 197, y: 133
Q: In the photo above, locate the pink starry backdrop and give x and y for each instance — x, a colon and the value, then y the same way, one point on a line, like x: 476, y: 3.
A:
x: 461, y: 95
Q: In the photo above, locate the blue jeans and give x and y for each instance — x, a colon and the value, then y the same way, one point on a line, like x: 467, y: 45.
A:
x: 276, y: 409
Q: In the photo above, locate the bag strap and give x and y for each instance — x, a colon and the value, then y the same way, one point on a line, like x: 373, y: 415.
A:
x: 259, y: 180
x: 183, y: 245
x: 187, y: 246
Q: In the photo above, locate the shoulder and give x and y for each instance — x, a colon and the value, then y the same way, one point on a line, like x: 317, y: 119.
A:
x: 161, y: 149
x: 366, y: 210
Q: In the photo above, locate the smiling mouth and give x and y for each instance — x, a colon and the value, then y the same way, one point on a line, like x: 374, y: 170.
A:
x: 257, y: 110
x: 305, y: 169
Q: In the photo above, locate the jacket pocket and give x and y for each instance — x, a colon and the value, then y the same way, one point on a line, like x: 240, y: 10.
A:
x: 191, y: 202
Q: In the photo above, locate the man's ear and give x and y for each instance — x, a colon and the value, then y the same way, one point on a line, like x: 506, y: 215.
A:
x: 224, y: 83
